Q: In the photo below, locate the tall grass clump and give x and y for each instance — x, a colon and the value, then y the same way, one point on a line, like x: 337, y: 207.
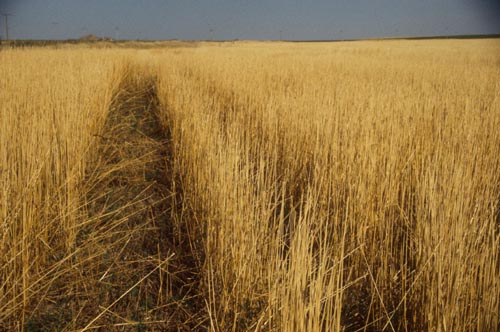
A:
x: 52, y: 108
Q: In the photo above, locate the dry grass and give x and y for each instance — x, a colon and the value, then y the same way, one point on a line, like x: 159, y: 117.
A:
x: 51, y: 106
x: 290, y: 187
x: 348, y: 185
x: 83, y: 200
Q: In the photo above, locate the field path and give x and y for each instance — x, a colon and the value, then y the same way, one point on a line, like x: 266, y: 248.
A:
x: 151, y: 283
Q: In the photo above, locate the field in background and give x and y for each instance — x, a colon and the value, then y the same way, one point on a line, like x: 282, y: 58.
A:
x: 251, y: 187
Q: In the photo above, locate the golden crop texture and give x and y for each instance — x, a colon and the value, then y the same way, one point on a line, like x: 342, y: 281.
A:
x: 349, y: 186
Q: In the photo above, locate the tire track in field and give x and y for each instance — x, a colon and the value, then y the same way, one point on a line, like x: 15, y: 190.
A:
x: 148, y: 275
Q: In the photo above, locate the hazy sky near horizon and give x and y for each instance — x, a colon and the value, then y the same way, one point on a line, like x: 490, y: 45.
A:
x: 245, y: 19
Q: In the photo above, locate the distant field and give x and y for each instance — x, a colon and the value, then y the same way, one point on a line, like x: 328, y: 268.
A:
x: 71, y: 43
x: 250, y: 186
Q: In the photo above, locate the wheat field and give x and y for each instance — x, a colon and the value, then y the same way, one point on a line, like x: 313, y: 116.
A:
x: 251, y: 186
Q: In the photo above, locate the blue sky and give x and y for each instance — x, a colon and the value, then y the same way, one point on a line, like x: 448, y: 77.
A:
x: 245, y: 19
